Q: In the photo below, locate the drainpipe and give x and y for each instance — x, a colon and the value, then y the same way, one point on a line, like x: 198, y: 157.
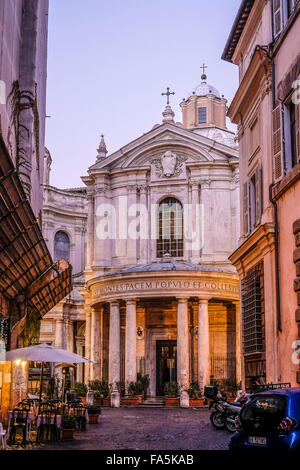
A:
x: 272, y: 200
x: 277, y: 263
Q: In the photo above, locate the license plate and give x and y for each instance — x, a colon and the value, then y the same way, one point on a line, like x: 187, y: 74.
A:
x: 262, y: 441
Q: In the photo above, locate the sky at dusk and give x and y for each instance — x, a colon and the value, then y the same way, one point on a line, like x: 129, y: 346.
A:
x: 109, y: 61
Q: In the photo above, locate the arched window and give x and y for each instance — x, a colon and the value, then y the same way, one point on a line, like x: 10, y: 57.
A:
x: 170, y: 228
x: 61, y: 246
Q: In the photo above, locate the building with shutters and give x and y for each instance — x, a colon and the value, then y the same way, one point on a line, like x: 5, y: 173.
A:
x: 264, y: 44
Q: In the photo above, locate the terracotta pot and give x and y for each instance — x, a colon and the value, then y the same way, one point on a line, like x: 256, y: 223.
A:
x: 172, y: 401
x: 131, y: 401
x: 93, y: 419
x: 107, y: 401
x: 83, y: 400
x: 67, y: 434
x: 139, y: 397
x: 196, y: 401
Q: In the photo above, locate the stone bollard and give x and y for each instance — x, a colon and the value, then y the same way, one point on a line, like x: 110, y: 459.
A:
x: 90, y: 397
x: 184, y: 400
x: 115, y: 399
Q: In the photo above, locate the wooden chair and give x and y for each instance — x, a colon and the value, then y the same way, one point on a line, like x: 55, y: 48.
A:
x: 3, y: 436
x: 48, y: 426
x: 19, y: 420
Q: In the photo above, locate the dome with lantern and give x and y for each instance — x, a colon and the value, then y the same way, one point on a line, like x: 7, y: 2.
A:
x: 204, y: 89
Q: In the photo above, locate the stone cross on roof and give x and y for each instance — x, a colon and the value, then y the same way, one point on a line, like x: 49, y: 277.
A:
x: 203, y: 67
x: 167, y: 94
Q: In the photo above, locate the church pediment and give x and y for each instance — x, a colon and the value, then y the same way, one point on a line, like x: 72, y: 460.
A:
x: 152, y: 149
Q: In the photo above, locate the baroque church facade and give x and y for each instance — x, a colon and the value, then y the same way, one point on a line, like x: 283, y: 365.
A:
x: 149, y: 236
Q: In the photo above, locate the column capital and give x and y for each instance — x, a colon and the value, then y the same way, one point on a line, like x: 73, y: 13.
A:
x: 182, y: 299
x: 203, y: 300
x: 114, y: 303
x: 131, y: 301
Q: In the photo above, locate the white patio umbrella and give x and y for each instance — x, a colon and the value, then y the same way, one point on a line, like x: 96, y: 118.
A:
x: 44, y: 353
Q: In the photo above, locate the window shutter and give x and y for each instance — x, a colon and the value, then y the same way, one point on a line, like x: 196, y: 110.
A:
x: 297, y: 106
x: 277, y: 144
x: 246, y: 208
x: 277, y: 16
x: 258, y: 193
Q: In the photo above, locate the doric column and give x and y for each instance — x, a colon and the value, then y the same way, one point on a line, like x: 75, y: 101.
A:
x: 203, y: 344
x: 183, y: 373
x: 87, y: 344
x: 114, y: 344
x: 95, y: 344
x: 130, y: 341
x: 238, y: 342
x: 59, y: 334
x: 70, y: 336
x: 101, y: 341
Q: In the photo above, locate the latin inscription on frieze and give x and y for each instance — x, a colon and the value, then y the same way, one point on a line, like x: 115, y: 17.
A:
x: 144, y: 286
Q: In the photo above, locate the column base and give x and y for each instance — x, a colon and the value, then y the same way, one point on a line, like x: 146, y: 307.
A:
x: 115, y: 399
x: 184, y: 400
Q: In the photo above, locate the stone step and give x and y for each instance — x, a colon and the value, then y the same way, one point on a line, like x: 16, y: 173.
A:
x: 154, y: 401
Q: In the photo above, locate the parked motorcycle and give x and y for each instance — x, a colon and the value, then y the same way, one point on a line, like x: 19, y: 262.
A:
x: 224, y: 413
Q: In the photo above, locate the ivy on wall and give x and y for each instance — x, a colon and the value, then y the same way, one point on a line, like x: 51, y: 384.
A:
x: 21, y: 101
x: 31, y: 332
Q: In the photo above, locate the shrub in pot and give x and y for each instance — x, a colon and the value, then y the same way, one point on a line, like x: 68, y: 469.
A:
x: 121, y: 388
x: 144, y: 380
x: 81, y: 390
x: 105, y: 393
x: 132, y: 398
x: 93, y: 411
x: 68, y: 426
x: 195, y: 394
x: 172, y: 391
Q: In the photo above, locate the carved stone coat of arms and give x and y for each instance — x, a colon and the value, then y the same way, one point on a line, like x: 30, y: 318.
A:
x: 169, y: 164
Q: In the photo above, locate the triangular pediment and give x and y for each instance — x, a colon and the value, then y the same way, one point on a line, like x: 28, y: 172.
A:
x: 173, y: 137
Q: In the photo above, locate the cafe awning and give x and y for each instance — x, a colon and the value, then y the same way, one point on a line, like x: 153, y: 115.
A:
x: 24, y: 255
x: 25, y: 261
x: 51, y: 288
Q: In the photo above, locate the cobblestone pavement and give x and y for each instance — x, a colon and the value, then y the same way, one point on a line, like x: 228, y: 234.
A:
x: 149, y: 429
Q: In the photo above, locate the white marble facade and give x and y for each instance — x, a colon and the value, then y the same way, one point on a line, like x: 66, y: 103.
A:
x: 127, y: 282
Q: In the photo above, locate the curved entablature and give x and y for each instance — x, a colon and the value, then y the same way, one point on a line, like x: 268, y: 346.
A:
x: 155, y: 281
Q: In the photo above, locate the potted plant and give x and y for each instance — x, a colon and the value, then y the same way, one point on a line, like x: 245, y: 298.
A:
x: 96, y: 386
x: 229, y: 389
x: 68, y: 426
x: 172, y: 390
x: 81, y: 390
x: 121, y: 388
x: 93, y: 411
x: 105, y: 393
x: 195, y: 394
x: 145, y: 382
x: 132, y: 397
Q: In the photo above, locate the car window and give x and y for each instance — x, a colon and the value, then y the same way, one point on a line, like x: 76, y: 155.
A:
x: 264, y: 412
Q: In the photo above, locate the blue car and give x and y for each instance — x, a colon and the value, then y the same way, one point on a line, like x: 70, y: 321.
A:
x: 270, y: 420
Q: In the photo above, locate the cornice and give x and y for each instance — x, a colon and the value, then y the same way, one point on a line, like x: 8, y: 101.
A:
x: 250, y: 28
x: 256, y: 80
x: 261, y: 241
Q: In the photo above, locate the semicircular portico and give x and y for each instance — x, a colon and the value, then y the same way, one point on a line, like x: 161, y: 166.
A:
x: 150, y: 318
